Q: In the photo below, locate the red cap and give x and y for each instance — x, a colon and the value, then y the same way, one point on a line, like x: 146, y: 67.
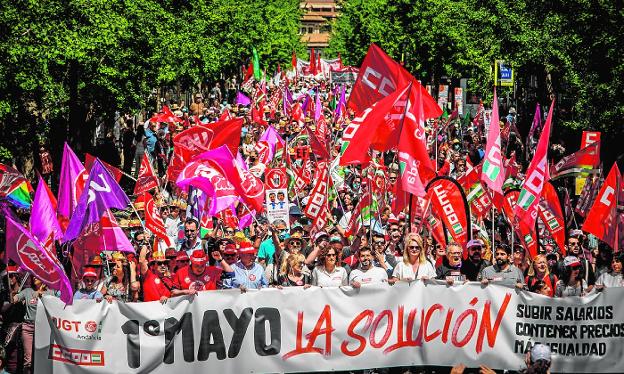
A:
x: 199, y: 257
x: 182, y: 256
x: 230, y: 249
x: 89, y: 272
x: 246, y: 249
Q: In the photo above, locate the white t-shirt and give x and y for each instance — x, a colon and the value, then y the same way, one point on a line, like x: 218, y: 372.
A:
x: 337, y: 278
x: 404, y: 271
x: 373, y: 275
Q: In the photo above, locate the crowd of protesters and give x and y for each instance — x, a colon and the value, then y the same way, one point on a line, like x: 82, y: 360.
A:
x: 263, y: 254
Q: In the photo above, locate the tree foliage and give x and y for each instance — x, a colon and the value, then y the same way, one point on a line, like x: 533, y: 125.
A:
x: 573, y: 48
x: 64, y: 63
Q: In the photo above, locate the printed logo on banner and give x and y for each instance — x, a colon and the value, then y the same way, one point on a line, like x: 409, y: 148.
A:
x: 89, y: 330
x: 79, y: 357
x: 276, y: 178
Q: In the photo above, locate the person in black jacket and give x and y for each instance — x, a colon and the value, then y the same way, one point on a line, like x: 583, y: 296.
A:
x: 475, y: 262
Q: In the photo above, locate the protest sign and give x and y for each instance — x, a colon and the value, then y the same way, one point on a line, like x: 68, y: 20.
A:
x: 277, y: 205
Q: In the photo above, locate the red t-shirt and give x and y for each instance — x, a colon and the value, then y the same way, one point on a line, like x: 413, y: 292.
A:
x: 185, y: 279
x: 155, y: 287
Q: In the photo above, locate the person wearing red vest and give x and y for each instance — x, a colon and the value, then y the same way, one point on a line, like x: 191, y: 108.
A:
x: 198, y: 276
x: 157, y: 286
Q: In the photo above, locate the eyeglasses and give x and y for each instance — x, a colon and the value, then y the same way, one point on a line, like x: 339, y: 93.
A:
x: 189, y: 230
x: 395, y: 229
x: 295, y: 244
x: 161, y: 263
x: 414, y: 247
x: 330, y: 255
x: 229, y: 255
x: 183, y: 261
x: 573, y: 244
x: 88, y: 280
x: 229, y: 231
x: 379, y: 243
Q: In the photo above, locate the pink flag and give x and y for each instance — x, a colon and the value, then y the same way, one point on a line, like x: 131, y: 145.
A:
x: 317, y: 107
x: 201, y: 174
x: 272, y: 138
x: 537, y: 174
x: 43, y: 222
x: 249, y: 187
x: 493, y: 170
x: 242, y: 99
x: 73, y: 179
x: 106, y: 236
x: 30, y: 254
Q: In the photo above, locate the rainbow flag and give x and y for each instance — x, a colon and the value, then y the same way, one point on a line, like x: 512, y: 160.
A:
x: 14, y: 187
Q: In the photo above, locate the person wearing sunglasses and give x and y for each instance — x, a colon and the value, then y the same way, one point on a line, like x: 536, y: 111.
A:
x: 191, y: 240
x: 328, y: 273
x: 89, y: 279
x: 157, y: 285
x: 475, y: 262
x: 414, y: 264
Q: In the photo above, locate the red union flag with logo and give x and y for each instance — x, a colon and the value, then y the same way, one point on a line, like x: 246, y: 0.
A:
x: 602, y: 219
x: 379, y: 76
x: 527, y: 235
x: 147, y: 178
x: 536, y: 176
x: 449, y: 204
x: 493, y: 172
x: 317, y: 201
x: 153, y: 219
x: 29, y: 253
x: 552, y: 216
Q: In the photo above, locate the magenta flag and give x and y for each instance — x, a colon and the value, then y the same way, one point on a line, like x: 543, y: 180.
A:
x: 493, y: 170
x: 43, y: 222
x: 537, y: 121
x: 341, y: 105
x: 73, y: 179
x: 101, y: 194
x: 202, y: 175
x: 248, y: 187
x: 272, y: 138
x: 241, y: 99
x: 317, y: 107
x: 107, y: 236
x: 29, y: 253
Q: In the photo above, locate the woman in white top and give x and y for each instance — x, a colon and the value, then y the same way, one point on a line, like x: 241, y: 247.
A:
x: 415, y: 264
x: 614, y: 277
x: 327, y: 273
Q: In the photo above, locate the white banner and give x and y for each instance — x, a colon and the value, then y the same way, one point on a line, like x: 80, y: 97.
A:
x: 293, y: 330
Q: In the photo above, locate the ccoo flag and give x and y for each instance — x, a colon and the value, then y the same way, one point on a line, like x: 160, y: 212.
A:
x: 492, y: 172
x: 537, y: 174
x: 101, y: 193
x: 602, y: 217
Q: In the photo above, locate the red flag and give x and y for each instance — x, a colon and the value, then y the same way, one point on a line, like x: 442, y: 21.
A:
x: 368, y: 129
x: 435, y: 227
x: 312, y: 62
x: 602, y: 219
x: 477, y: 196
x: 590, y: 160
x: 415, y: 165
x: 536, y: 175
x: 577, y: 162
x: 449, y: 203
x: 181, y: 156
x: 89, y: 159
x: 493, y: 170
x: 380, y: 76
x: 317, y: 201
x: 153, y: 219
x: 319, y: 149
x: 527, y: 235
x: 204, y: 137
x: 225, y: 116
x: 293, y: 61
x: 146, y: 179
x: 550, y: 213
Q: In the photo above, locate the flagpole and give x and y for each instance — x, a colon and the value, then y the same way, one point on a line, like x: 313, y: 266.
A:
x: 493, y: 236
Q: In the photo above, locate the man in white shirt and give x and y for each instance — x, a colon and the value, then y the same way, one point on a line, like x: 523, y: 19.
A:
x: 367, y: 272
